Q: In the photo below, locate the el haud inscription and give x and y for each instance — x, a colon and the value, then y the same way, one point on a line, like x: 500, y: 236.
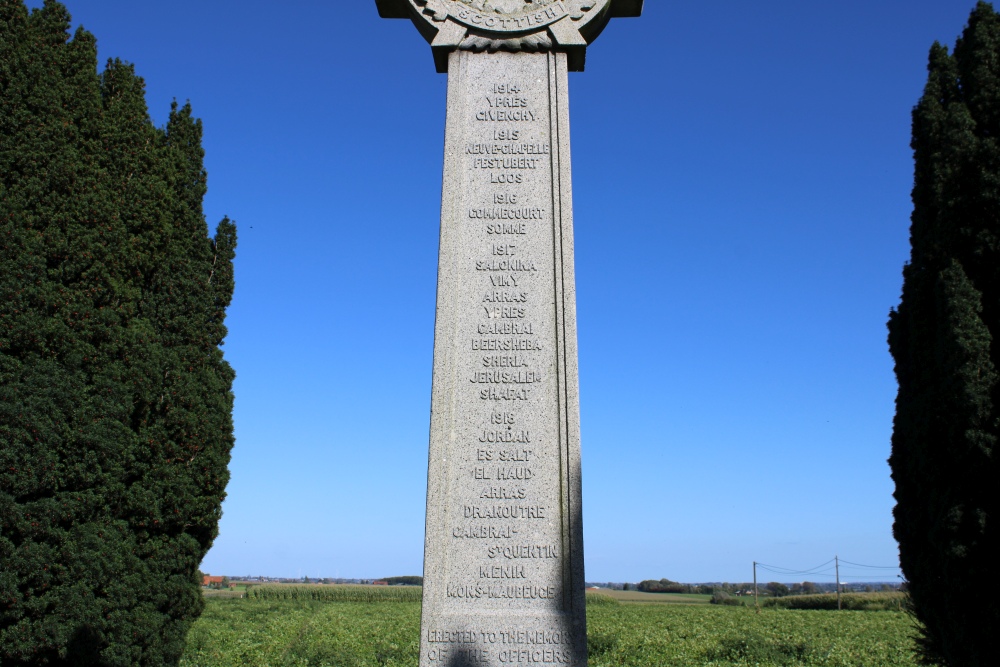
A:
x: 503, y: 553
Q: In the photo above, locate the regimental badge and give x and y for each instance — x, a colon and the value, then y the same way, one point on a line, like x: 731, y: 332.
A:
x: 509, y: 16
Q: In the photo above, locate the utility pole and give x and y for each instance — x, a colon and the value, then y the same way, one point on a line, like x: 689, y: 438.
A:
x: 755, y: 604
x: 836, y: 561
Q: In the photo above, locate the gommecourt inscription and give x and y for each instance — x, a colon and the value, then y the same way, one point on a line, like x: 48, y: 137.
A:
x: 503, y: 558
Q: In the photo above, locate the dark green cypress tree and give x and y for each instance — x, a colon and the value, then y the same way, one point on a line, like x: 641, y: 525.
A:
x: 115, y: 401
x: 942, y: 337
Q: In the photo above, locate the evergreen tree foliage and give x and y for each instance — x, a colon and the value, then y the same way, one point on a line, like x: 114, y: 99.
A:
x: 115, y: 400
x: 942, y: 337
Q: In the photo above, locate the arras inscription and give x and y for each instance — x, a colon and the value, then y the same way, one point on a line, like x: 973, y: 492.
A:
x: 503, y: 564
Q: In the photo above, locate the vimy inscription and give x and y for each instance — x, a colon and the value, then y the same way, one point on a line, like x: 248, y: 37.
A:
x: 503, y: 554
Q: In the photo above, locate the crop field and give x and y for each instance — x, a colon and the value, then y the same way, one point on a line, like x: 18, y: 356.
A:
x: 280, y: 631
x: 689, y: 636
x: 657, y: 598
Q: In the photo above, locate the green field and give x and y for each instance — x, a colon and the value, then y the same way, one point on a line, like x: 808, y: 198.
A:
x: 256, y: 632
x: 656, y: 598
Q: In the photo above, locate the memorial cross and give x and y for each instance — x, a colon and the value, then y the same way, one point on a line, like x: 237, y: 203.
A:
x: 503, y: 551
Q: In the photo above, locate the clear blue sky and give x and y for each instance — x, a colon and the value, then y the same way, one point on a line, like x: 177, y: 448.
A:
x: 742, y: 176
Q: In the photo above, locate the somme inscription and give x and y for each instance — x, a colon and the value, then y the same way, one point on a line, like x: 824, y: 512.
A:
x: 503, y: 553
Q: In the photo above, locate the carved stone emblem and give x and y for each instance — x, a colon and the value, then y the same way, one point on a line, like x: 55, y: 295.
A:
x: 511, y: 17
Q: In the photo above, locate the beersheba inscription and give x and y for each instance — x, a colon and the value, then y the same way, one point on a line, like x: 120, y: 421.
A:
x: 503, y: 554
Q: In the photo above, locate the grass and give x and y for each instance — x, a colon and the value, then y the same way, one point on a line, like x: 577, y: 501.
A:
x: 305, y: 632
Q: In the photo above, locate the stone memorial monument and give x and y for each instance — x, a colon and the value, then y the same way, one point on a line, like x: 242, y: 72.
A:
x: 503, y: 553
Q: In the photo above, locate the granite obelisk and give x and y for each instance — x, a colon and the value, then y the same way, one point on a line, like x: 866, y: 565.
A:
x: 503, y: 553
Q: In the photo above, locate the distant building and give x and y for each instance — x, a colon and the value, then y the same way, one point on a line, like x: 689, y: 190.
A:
x: 380, y: 582
x: 208, y: 580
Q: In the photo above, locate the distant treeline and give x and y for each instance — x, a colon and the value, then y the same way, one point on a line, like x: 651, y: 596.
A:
x: 894, y: 601
x: 334, y: 593
x: 771, y: 589
x: 404, y: 581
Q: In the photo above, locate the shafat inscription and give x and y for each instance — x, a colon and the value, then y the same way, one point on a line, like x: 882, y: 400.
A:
x: 505, y: 394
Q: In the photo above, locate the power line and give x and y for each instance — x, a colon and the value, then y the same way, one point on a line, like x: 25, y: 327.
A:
x: 777, y: 569
x: 873, y: 567
x: 824, y: 573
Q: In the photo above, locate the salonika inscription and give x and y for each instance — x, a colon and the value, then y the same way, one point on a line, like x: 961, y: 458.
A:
x: 503, y: 563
